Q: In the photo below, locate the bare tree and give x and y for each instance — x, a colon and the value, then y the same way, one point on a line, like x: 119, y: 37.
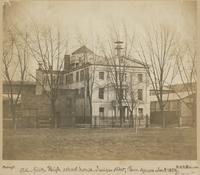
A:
x: 132, y: 102
x: 47, y: 47
x: 117, y: 64
x: 89, y: 84
x: 15, y: 65
x: 186, y: 65
x: 158, y: 51
x: 90, y: 61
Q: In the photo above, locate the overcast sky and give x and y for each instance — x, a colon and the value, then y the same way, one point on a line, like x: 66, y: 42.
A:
x: 88, y: 18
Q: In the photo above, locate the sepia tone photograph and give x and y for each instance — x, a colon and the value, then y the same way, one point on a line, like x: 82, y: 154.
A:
x: 99, y: 80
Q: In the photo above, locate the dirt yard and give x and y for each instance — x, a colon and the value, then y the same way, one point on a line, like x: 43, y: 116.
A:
x: 97, y: 144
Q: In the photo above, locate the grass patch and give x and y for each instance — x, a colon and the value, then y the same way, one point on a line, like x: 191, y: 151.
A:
x: 100, y: 144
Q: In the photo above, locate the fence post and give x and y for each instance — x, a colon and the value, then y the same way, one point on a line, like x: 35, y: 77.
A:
x: 147, y: 121
x: 95, y: 120
x: 112, y: 121
x: 132, y: 121
x: 136, y: 124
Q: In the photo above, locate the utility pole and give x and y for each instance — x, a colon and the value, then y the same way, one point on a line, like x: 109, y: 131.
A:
x: 84, y: 55
x: 119, y: 76
x: 118, y: 47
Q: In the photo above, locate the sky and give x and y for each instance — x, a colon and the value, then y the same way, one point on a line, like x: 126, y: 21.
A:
x: 87, y: 19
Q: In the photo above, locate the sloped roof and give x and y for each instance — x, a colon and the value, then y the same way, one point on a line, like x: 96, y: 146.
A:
x: 136, y: 61
x: 170, y: 96
x: 82, y: 49
x: 183, y: 87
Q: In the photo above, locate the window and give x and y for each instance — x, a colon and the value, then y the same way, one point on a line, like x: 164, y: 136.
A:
x: 167, y: 106
x: 101, y: 112
x: 153, y: 106
x: 124, y: 93
x: 66, y: 79
x: 101, y: 75
x: 87, y: 73
x: 77, y: 76
x: 140, y: 77
x: 54, y: 80
x: 108, y: 75
x: 174, y: 105
x: 122, y: 76
x: 70, y: 78
x: 140, y: 111
x: 101, y: 93
x: 140, y: 94
x: 82, y: 75
x: 45, y: 81
x: 82, y: 92
x: 61, y: 80
x: 125, y: 77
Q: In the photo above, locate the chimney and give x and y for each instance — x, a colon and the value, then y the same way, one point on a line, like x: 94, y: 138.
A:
x: 66, y: 62
x: 118, y: 47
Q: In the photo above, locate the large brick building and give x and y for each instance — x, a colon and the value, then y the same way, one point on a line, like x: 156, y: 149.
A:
x: 95, y: 92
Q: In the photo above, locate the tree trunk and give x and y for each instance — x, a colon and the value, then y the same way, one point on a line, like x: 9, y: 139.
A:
x: 132, y: 120
x: 13, y: 114
x: 120, y: 114
x: 91, y: 112
x: 194, y: 111
x: 53, y: 119
x: 136, y: 124
x: 163, y: 117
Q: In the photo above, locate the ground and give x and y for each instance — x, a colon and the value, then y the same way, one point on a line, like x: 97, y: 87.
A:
x: 96, y: 144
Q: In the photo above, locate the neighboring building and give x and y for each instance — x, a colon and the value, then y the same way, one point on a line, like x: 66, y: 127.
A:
x: 84, y: 72
x: 180, y: 108
x: 34, y: 110
x: 16, y: 90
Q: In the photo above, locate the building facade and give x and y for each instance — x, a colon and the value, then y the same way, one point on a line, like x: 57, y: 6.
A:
x: 97, y: 97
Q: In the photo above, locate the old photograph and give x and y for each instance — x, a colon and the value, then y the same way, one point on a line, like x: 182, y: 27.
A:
x: 99, y: 80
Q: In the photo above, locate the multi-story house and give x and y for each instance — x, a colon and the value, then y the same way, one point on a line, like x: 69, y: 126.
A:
x: 180, y: 105
x: 105, y: 91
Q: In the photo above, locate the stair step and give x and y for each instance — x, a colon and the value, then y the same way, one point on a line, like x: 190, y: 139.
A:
x: 83, y: 125
x: 43, y: 120
x: 44, y: 126
x: 44, y: 123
